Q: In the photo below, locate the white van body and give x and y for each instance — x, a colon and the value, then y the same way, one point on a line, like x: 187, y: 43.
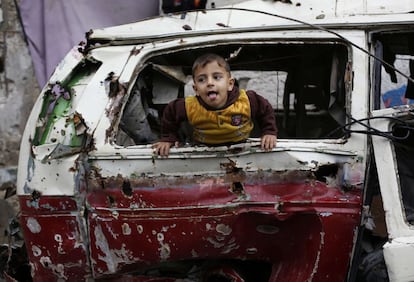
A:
x: 97, y: 203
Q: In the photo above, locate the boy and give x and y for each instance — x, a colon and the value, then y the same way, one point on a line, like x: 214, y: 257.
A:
x: 220, y: 113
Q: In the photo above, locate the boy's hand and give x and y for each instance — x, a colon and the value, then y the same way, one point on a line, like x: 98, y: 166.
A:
x: 163, y: 148
x: 268, y: 142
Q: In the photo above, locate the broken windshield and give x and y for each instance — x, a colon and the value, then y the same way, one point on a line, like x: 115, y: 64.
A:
x: 305, y: 82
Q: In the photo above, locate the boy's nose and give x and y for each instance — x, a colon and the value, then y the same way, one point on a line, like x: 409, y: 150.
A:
x: 210, y: 80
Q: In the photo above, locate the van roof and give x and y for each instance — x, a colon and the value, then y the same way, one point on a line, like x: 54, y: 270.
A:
x: 264, y: 14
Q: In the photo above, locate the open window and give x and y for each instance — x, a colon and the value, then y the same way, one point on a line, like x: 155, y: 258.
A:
x: 303, y: 81
x: 396, y: 50
x: 393, y: 89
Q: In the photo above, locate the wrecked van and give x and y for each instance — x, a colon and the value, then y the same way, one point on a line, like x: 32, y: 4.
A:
x: 332, y: 202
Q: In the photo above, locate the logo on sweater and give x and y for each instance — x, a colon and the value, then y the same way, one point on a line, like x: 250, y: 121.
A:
x: 236, y: 120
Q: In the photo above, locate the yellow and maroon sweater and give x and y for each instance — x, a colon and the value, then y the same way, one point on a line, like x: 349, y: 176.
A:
x: 230, y: 124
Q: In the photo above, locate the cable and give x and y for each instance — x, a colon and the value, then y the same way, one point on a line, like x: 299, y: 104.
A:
x: 326, y: 30
x: 373, y: 131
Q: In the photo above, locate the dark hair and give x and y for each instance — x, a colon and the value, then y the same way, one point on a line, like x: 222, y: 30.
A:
x: 208, y: 58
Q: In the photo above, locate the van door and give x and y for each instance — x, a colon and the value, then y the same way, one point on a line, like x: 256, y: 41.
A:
x: 394, y: 156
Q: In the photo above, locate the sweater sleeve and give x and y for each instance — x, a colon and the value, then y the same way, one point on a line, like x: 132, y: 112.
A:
x: 174, y: 114
x: 263, y: 113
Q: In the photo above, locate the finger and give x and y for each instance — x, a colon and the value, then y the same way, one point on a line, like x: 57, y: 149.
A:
x: 269, y: 145
x: 265, y: 144
x: 165, y: 151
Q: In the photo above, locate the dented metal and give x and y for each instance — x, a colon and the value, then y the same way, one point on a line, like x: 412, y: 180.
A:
x: 98, y: 203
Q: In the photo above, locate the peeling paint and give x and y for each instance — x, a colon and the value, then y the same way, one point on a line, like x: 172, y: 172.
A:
x: 164, y: 248
x: 140, y: 229
x: 36, y: 251
x: 102, y: 244
x: 33, y: 225
x: 131, y: 212
x: 115, y: 91
x: 58, y: 238
x: 230, y: 246
x: 58, y: 269
x: 32, y: 203
x: 215, y: 243
x: 316, y: 263
x: 126, y: 230
x: 223, y: 229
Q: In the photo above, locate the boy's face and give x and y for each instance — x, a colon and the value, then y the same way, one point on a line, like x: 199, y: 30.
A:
x: 211, y: 83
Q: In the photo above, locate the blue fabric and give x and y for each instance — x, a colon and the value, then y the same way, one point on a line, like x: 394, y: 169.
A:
x: 396, y: 97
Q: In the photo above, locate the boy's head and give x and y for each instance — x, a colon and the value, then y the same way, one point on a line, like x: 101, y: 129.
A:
x: 212, y: 79
x: 203, y: 60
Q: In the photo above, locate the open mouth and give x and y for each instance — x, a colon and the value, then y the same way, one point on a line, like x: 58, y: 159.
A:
x: 212, y: 95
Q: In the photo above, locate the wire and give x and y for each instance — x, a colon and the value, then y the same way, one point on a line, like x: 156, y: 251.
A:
x: 326, y: 30
x: 400, y: 124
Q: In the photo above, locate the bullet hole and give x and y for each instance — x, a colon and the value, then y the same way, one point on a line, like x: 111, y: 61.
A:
x: 237, y: 188
x: 111, y: 200
x: 35, y: 195
x: 126, y: 188
x: 230, y: 167
x: 45, y: 262
x: 325, y: 171
x: 279, y: 207
x: 222, y: 25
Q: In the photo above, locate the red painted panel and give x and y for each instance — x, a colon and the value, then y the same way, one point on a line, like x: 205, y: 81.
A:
x: 302, y: 230
x: 55, y: 239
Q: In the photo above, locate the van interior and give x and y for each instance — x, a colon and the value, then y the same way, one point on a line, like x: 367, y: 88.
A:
x: 306, y: 83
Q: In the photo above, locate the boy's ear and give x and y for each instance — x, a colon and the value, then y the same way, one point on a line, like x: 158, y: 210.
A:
x: 195, y: 89
x: 231, y: 84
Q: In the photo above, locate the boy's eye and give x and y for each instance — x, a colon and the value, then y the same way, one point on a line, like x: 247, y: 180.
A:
x: 204, y: 79
x: 201, y: 79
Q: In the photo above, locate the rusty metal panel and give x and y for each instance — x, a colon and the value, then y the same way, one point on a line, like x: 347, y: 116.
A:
x: 55, y: 238
x: 136, y: 225
x: 95, y: 209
